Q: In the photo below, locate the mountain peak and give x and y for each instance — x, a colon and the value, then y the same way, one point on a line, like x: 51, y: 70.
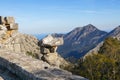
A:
x: 115, y: 32
x: 90, y: 26
x: 87, y: 27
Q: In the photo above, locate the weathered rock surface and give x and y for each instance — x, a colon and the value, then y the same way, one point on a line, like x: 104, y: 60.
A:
x: 51, y: 41
x: 94, y: 50
x: 22, y: 43
x: 14, y: 60
x: 12, y: 40
x: 5, y: 74
x: 49, y: 46
x: 28, y: 68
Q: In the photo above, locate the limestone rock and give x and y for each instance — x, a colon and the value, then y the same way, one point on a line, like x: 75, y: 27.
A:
x: 51, y: 41
x: 27, y: 68
x: 45, y: 50
x: 2, y: 27
x: 23, y: 43
x: 2, y: 21
x: 13, y: 26
x: 9, y: 20
x: 94, y: 50
x: 15, y: 48
x: 2, y: 31
x: 48, y: 49
x: 55, y: 59
x: 52, y: 59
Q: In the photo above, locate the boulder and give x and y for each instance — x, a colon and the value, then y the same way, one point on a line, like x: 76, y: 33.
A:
x: 52, y: 59
x: 51, y: 41
x: 13, y: 26
x: 2, y: 27
x: 45, y: 50
x: 48, y: 48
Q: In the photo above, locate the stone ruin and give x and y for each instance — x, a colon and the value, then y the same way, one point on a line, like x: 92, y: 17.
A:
x: 7, y: 27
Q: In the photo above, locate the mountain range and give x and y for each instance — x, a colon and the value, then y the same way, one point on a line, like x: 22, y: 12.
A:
x: 81, y: 40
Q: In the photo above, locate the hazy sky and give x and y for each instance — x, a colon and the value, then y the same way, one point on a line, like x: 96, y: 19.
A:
x: 50, y: 16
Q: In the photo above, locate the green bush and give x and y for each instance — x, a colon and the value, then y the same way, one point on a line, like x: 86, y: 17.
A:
x: 34, y: 55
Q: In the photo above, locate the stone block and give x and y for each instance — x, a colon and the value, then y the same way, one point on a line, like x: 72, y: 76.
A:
x: 2, y: 27
x: 9, y: 20
x: 2, y: 21
x: 51, y: 41
x: 13, y: 26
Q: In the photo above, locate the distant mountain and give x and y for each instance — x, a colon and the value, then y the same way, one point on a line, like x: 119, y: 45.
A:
x: 58, y: 35
x: 115, y: 33
x: 40, y: 36
x: 80, y: 40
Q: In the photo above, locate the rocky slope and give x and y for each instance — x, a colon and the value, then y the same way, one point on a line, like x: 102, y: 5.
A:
x: 115, y: 33
x: 11, y: 39
x: 43, y: 61
x: 28, y: 68
x: 81, y: 40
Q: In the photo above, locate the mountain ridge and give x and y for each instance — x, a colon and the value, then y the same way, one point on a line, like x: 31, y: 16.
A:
x: 75, y: 40
x: 115, y: 33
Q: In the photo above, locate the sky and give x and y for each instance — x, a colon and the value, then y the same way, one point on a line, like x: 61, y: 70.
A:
x: 61, y: 16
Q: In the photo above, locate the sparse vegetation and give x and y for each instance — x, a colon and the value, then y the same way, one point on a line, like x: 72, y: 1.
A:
x: 102, y: 66
x: 34, y: 55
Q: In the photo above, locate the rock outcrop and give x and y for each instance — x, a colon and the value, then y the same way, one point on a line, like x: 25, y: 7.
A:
x: 48, y: 48
x: 94, y: 50
x: 27, y: 68
x: 15, y: 48
x: 12, y: 40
